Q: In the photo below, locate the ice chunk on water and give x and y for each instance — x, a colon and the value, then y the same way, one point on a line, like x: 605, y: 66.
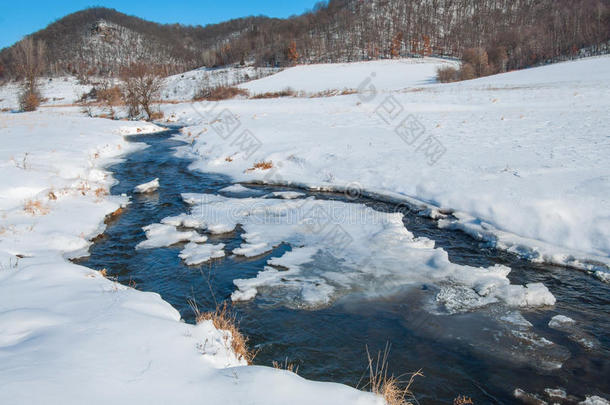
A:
x: 561, y: 322
x: 162, y: 235
x: 185, y: 221
x: 286, y: 195
x: 147, y: 187
x: 194, y: 254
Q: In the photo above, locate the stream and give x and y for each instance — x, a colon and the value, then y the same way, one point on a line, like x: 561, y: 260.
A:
x: 478, y: 354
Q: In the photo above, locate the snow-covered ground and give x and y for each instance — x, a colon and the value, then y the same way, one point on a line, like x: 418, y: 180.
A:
x: 387, y: 74
x: 55, y: 91
x: 67, y: 334
x: 520, y: 159
x: 185, y: 86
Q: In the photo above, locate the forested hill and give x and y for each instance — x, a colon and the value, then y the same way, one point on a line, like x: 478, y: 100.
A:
x: 515, y: 34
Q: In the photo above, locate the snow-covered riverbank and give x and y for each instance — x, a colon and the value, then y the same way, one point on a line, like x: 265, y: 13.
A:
x: 520, y: 159
x: 69, y: 335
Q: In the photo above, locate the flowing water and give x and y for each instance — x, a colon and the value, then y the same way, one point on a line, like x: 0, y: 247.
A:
x: 475, y: 354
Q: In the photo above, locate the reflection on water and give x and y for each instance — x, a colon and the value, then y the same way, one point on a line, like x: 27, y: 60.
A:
x: 484, y: 354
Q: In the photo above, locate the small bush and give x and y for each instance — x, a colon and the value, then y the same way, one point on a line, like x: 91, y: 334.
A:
x: 110, y: 96
x: 477, y: 57
x: 219, y: 93
x: 447, y: 74
x: 29, y: 100
x: 157, y: 115
x: 467, y: 72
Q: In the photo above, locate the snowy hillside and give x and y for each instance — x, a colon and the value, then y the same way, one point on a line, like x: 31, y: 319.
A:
x: 521, y: 159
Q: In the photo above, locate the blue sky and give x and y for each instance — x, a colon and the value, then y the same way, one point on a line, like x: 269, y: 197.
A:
x: 19, y: 18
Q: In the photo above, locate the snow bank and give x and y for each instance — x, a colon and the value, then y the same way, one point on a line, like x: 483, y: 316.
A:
x: 519, y: 159
x: 70, y: 336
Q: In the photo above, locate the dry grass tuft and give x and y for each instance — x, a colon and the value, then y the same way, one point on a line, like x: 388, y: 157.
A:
x: 224, y: 319
x: 35, y: 207
x: 463, y: 400
x: 293, y: 368
x: 387, y: 385
x: 261, y: 166
x: 104, y: 273
x: 100, y: 192
x: 51, y: 196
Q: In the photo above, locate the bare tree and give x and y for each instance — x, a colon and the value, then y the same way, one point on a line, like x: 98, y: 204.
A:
x: 141, y: 87
x: 30, y: 62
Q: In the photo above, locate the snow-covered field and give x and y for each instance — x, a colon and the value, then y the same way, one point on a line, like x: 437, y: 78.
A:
x: 56, y: 91
x: 520, y: 159
x: 69, y: 335
x: 387, y: 74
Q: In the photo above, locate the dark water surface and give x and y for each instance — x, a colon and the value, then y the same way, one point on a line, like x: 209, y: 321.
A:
x: 471, y: 354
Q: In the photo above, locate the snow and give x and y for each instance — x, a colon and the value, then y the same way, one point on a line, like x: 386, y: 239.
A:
x: 56, y: 91
x: 595, y: 400
x: 561, y: 322
x: 341, y: 247
x: 387, y: 75
x: 519, y: 160
x: 185, y: 86
x: 68, y: 335
x: 286, y: 195
x: 149, y: 187
x: 163, y: 235
x: 556, y: 393
x: 239, y: 190
x: 194, y: 254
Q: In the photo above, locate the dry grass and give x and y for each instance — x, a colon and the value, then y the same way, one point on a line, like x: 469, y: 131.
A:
x: 156, y: 116
x: 104, y: 273
x: 293, y: 368
x: 100, y: 192
x: 463, y: 400
x: 111, y: 217
x: 220, y: 93
x: 224, y: 319
x: 35, y: 207
x: 51, y: 196
x: 261, y: 166
x: 287, y: 92
x: 333, y: 93
x: 382, y: 383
